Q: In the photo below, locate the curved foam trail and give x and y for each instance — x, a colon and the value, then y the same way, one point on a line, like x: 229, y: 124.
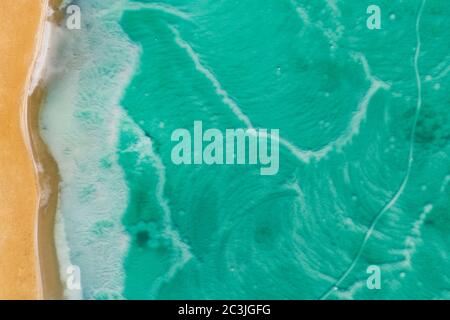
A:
x: 302, y: 155
x: 210, y: 76
x: 408, y: 169
x: 360, y: 115
x: 145, y: 148
x: 355, y: 123
x: 411, y: 240
x: 353, y: 128
x: 136, y: 6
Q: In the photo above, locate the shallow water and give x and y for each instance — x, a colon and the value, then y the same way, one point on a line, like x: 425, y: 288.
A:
x: 364, y: 149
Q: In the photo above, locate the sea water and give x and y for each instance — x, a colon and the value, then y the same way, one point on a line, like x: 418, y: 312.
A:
x: 364, y: 175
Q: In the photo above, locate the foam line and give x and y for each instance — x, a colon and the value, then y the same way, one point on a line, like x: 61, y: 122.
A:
x: 302, y: 155
x: 79, y: 153
x: 405, y: 180
x: 412, y: 240
x: 136, y: 6
x: 210, y: 76
x: 145, y: 143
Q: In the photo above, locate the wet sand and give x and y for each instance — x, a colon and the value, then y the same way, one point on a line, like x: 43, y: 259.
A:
x: 48, y: 178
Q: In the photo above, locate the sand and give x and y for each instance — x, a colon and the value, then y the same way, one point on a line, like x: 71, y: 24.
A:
x: 28, y: 264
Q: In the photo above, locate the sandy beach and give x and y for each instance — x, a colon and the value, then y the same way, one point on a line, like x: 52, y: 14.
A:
x: 28, y: 196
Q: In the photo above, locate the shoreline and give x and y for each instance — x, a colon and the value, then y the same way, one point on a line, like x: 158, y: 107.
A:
x: 45, y: 167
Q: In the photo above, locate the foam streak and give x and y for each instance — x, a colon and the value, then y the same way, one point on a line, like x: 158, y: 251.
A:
x: 405, y: 180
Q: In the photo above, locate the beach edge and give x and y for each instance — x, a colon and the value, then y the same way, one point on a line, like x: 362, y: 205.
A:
x: 46, y: 171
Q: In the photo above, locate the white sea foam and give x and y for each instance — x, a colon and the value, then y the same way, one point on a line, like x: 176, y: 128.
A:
x: 405, y: 180
x: 144, y: 148
x: 88, y: 90
x: 64, y: 260
x: 412, y: 241
x: 303, y: 155
x: 212, y: 78
x: 158, y: 7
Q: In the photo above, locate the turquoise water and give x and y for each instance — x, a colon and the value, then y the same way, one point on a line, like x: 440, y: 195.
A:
x: 364, y: 174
